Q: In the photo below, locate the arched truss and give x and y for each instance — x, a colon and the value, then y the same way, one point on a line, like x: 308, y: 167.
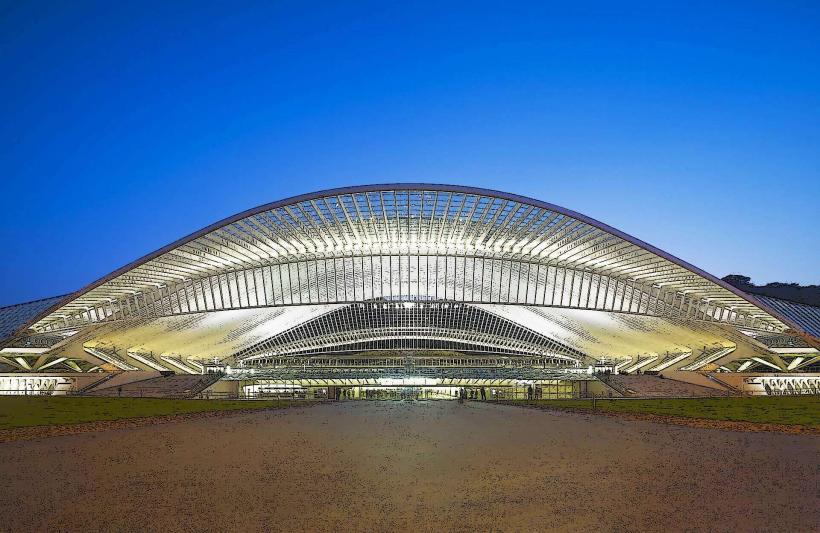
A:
x: 388, y: 325
x: 408, y: 242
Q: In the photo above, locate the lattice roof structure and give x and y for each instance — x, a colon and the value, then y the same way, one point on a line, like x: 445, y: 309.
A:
x: 314, y: 260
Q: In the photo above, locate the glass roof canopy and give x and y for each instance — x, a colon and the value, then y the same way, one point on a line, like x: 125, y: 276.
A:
x: 408, y: 242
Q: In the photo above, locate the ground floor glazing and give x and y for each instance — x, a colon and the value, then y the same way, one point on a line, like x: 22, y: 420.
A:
x: 408, y: 389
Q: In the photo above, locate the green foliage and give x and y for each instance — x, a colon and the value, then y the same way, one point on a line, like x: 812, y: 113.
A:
x: 20, y: 411
x: 802, y: 410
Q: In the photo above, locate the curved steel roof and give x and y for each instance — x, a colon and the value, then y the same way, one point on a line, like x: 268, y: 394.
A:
x: 406, y: 219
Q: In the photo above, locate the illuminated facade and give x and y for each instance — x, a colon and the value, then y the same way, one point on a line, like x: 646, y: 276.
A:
x: 410, y: 281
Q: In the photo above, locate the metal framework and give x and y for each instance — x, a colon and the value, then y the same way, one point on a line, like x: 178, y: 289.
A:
x: 405, y: 267
x: 408, y: 242
x: 414, y: 325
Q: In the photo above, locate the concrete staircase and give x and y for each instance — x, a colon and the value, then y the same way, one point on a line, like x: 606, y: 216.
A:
x: 166, y: 386
x: 646, y: 386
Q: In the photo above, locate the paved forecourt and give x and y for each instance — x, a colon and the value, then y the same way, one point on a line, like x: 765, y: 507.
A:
x: 413, y: 465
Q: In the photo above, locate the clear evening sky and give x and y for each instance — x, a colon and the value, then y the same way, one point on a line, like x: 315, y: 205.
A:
x: 695, y: 128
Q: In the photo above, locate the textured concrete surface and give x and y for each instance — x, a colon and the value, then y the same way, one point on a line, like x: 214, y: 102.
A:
x: 412, y: 466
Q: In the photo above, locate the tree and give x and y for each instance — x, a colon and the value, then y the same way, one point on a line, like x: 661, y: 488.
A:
x: 738, y: 280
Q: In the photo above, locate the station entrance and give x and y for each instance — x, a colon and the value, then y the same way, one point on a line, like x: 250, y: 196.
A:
x: 412, y: 374
x: 408, y: 389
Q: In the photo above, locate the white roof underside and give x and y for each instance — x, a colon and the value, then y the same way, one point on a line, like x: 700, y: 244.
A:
x: 601, y: 336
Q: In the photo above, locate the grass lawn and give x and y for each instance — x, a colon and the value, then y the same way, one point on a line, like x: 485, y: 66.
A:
x: 20, y: 411
x: 803, y: 410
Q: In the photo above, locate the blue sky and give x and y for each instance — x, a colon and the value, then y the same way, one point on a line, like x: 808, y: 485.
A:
x: 694, y: 127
